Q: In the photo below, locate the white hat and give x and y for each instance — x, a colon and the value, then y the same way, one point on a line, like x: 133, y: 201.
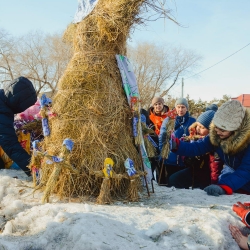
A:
x: 229, y: 115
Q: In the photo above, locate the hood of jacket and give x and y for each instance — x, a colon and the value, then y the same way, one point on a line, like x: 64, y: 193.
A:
x: 193, y: 126
x: 237, y: 142
x: 20, y: 94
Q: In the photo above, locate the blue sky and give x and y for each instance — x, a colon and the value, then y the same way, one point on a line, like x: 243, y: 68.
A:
x: 213, y: 28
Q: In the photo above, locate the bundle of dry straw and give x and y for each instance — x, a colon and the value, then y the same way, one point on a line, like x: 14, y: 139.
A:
x: 90, y: 103
x: 91, y: 106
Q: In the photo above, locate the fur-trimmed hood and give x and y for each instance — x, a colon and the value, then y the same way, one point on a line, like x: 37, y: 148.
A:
x: 237, y: 142
x: 192, y: 127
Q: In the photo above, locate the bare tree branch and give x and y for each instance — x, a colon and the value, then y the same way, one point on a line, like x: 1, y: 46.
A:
x: 40, y: 57
x: 158, y: 68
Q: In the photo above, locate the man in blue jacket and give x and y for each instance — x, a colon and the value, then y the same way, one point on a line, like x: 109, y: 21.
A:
x: 16, y: 97
x: 174, y: 163
x: 229, y: 137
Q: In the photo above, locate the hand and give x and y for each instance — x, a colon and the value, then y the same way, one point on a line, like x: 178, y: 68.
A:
x: 214, y: 190
x: 174, y: 142
x: 242, y: 210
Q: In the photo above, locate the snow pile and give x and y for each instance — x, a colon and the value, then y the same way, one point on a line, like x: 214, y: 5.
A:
x: 169, y: 219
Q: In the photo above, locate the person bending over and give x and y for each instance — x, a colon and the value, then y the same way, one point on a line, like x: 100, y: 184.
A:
x: 17, y: 96
x: 202, y: 170
x: 229, y: 137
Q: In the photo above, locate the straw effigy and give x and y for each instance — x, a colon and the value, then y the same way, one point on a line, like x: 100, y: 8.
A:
x: 92, y: 109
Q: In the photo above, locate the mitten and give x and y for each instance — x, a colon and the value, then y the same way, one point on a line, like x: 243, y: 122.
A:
x: 242, y: 210
x: 214, y: 190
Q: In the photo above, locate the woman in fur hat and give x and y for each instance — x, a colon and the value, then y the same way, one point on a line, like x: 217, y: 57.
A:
x: 229, y: 137
x: 202, y: 170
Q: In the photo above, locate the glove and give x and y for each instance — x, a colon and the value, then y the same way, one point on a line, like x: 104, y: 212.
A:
x: 242, y: 210
x: 174, y: 143
x: 214, y: 190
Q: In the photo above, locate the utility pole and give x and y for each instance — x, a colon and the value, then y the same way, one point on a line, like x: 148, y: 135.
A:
x: 182, y: 87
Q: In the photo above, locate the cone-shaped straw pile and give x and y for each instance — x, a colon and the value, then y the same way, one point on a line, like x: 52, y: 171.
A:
x: 91, y: 106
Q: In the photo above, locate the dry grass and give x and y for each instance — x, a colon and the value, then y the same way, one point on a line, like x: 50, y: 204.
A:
x: 91, y: 106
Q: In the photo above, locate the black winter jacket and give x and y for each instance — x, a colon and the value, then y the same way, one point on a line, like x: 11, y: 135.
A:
x: 15, y: 98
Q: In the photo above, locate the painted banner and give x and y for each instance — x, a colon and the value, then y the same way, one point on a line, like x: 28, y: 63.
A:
x: 130, y: 87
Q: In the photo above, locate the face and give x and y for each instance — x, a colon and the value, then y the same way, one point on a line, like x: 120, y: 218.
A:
x: 223, y: 134
x: 181, y: 109
x: 158, y: 107
x: 201, y: 130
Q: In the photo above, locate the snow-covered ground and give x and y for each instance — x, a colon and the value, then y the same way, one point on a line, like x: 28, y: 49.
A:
x: 169, y: 219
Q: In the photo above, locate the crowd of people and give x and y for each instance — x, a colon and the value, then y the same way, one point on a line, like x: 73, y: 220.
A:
x: 211, y: 152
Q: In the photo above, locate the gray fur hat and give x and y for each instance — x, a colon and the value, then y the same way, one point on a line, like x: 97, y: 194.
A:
x: 229, y: 115
x: 182, y: 101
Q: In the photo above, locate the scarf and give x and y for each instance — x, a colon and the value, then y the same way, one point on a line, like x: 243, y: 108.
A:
x: 180, y: 120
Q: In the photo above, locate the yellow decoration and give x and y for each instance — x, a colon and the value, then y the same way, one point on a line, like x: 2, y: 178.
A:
x: 108, y: 167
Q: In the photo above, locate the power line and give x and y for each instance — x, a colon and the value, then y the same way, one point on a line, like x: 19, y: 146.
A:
x: 218, y: 62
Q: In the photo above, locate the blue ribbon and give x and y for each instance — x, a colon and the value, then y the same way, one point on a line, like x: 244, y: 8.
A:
x: 69, y: 144
x: 135, y: 122
x: 152, y: 141
x: 109, y: 169
x: 54, y: 159
x: 143, y: 118
x: 44, y: 100
x: 45, y: 125
x: 129, y: 165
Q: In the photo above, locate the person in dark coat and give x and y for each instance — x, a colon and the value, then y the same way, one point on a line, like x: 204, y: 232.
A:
x: 202, y: 170
x: 16, y: 97
x: 174, y: 163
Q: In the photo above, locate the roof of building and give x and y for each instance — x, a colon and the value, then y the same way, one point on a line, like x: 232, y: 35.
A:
x: 244, y: 100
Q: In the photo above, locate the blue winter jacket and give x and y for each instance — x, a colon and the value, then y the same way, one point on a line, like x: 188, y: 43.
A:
x: 234, y: 152
x: 18, y: 95
x: 180, y: 131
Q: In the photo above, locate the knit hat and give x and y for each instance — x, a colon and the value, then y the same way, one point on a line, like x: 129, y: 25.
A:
x: 157, y: 99
x: 206, y: 118
x: 212, y: 106
x: 229, y: 115
x: 182, y: 101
